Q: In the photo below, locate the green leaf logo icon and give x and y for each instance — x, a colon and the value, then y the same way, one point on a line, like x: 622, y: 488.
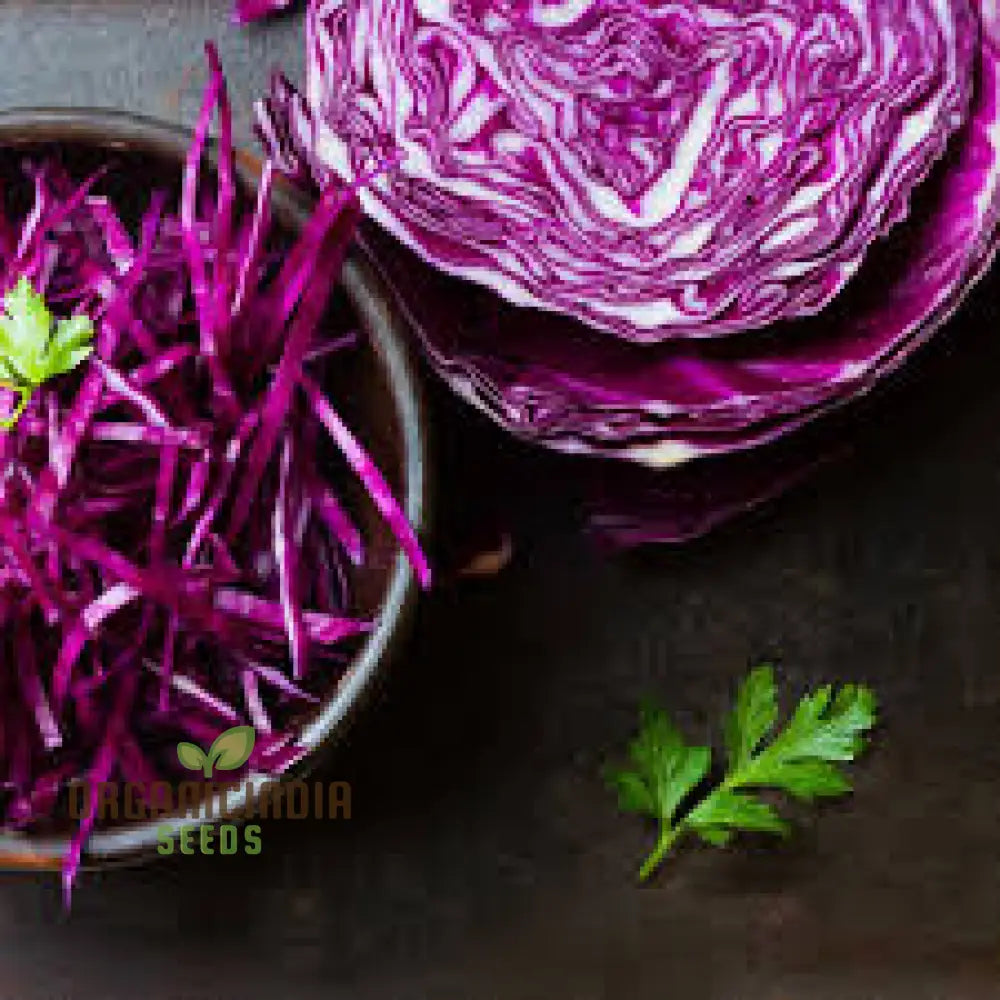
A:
x: 191, y: 756
x: 231, y: 750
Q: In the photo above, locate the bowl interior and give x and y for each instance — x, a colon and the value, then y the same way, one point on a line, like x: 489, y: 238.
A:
x: 372, y: 387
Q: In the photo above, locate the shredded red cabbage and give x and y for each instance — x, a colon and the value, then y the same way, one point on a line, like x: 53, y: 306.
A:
x: 172, y: 554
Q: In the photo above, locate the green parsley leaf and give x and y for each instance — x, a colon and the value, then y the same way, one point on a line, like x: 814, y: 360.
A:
x: 666, y: 769
x: 753, y: 716
x: 724, y: 812
x: 800, y: 761
x: 31, y: 351
x: 71, y: 344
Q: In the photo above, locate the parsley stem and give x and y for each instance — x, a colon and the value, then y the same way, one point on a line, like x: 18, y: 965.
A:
x: 24, y: 397
x: 669, y: 835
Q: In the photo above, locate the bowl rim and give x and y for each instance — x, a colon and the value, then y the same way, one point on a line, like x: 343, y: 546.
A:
x: 116, y: 128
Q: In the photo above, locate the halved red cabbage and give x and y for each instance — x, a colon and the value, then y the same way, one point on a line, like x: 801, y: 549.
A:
x: 683, y: 170
x: 893, y: 106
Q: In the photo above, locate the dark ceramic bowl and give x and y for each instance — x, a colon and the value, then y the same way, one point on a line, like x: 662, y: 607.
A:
x: 379, y: 397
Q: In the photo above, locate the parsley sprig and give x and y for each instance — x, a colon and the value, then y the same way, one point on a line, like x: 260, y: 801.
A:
x: 34, y: 349
x: 825, y: 729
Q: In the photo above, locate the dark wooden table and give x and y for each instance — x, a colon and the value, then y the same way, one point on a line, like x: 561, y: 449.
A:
x: 485, y: 861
